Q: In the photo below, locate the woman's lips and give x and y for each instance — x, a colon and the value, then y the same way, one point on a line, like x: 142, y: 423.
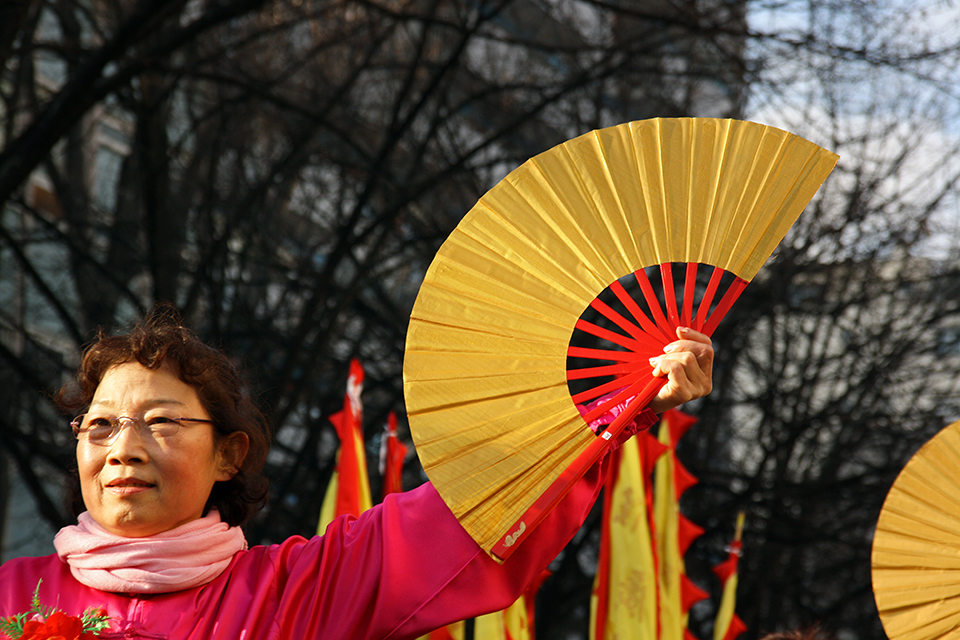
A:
x: 128, y: 486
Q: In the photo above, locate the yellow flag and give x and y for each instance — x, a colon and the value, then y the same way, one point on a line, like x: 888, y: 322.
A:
x: 455, y: 631
x: 674, y: 588
x: 728, y: 624
x: 511, y: 623
x: 517, y: 621
x: 624, y: 600
x: 489, y: 627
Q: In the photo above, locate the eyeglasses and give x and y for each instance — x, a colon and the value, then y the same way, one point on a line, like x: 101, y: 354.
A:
x: 103, y: 430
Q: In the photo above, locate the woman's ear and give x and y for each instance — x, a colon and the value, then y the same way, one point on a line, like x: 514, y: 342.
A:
x: 233, y: 451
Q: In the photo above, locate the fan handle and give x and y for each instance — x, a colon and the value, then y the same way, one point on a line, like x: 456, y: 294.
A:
x: 569, y: 476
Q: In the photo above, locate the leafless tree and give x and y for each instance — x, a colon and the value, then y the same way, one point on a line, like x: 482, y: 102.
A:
x: 284, y: 173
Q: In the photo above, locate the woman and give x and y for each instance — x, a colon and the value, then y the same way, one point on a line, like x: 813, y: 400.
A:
x: 170, y: 454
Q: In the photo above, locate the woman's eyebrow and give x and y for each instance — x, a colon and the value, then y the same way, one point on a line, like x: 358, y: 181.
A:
x: 106, y: 402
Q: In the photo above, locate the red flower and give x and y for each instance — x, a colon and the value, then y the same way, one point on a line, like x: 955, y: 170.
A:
x: 58, y: 626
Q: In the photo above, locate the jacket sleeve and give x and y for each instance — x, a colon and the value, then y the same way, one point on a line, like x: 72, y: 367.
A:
x: 407, y: 567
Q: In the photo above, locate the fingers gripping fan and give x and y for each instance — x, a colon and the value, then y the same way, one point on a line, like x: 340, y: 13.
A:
x: 916, y: 548
x: 540, y: 300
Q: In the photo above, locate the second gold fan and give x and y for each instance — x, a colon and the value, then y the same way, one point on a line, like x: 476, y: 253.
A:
x: 916, y: 548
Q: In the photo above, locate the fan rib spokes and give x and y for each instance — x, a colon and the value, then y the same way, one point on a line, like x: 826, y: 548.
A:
x: 607, y: 387
x: 614, y: 355
x: 729, y: 297
x: 583, y: 373
x: 689, y: 290
x: 631, y: 305
x: 628, y: 365
x: 642, y: 340
x: 652, y: 303
x: 617, y: 318
x: 669, y: 295
x: 707, y: 300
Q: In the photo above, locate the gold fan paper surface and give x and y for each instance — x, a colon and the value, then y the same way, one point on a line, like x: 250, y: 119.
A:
x: 485, y: 363
x: 916, y: 548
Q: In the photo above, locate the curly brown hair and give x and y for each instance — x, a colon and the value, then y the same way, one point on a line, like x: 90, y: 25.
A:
x: 160, y: 340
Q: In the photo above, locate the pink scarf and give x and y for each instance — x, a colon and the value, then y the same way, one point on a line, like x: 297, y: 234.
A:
x: 188, y: 556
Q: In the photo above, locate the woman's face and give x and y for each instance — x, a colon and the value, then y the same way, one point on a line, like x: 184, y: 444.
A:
x: 140, y: 485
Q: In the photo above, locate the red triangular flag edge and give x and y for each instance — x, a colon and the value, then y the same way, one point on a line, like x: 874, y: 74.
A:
x: 737, y: 626
x: 679, y: 423
x: 690, y: 593
x: 729, y: 566
x: 650, y: 450
x: 682, y: 478
x: 687, y: 532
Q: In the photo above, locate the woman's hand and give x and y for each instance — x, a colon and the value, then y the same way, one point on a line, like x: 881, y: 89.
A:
x: 687, y: 364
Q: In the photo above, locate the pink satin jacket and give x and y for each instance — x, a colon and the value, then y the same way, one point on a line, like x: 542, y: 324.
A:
x: 402, y: 569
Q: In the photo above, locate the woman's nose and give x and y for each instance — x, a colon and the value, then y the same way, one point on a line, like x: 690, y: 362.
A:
x: 128, y: 444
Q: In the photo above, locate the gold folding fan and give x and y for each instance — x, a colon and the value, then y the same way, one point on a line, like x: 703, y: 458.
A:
x: 916, y: 548
x: 540, y: 300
